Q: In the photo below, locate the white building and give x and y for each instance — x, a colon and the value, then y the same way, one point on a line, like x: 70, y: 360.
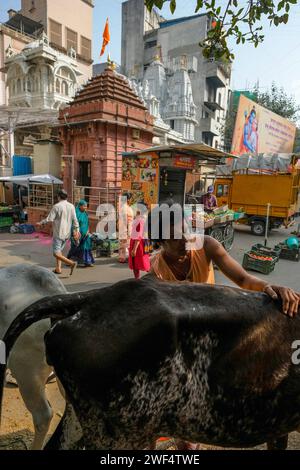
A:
x: 40, y: 76
x: 192, y: 92
x: 169, y: 99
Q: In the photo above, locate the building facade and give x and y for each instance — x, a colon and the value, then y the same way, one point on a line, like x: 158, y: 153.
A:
x: 40, y: 76
x: 45, y: 55
x: 105, y: 119
x: 68, y: 24
x: 66, y: 32
x: 195, y: 92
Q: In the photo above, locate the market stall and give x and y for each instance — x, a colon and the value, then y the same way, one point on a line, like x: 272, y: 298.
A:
x: 8, y: 214
x: 157, y: 174
x: 36, y: 195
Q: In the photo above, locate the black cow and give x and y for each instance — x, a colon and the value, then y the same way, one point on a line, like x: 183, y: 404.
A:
x: 144, y: 359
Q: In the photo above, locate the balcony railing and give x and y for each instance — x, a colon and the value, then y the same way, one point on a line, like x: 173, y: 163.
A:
x: 10, y: 28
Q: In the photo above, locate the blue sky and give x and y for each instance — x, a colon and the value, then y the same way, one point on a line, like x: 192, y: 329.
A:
x: 278, y: 58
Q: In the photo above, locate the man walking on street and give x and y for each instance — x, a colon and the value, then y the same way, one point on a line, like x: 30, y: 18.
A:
x: 64, y: 220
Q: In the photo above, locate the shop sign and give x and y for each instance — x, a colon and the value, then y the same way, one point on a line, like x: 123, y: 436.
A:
x: 184, y: 161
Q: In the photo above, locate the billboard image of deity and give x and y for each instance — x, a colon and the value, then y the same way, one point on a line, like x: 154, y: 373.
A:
x: 259, y: 130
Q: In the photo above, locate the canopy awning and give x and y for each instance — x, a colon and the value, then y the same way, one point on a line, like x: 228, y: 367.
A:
x: 25, y: 180
x: 199, y: 150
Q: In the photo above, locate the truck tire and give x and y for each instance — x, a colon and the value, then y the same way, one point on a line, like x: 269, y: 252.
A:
x: 258, y: 228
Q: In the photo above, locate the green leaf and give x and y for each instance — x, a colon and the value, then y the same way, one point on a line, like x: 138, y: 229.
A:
x: 285, y: 18
x: 199, y: 5
x: 239, y: 12
x: 173, y: 6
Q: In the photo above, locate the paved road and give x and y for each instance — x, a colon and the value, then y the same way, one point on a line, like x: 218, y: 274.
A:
x: 30, y: 249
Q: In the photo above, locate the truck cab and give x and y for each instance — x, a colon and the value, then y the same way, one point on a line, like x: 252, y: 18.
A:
x: 223, y: 191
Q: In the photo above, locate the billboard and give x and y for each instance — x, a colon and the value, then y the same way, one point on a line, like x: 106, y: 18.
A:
x: 258, y: 130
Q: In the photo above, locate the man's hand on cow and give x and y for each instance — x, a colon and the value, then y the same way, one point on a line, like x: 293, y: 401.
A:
x: 290, y: 298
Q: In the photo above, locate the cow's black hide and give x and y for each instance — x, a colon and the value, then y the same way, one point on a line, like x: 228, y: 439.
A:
x: 143, y: 359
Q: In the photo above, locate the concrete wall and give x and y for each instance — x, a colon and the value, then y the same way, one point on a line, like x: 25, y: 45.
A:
x: 38, y: 13
x: 17, y: 41
x: 76, y: 15
x: 133, y: 15
x: 47, y: 158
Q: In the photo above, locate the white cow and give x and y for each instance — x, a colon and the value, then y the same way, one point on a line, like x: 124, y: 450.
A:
x: 20, y: 286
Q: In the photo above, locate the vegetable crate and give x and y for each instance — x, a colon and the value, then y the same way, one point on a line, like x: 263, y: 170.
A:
x: 107, y: 247
x: 6, y: 221
x: 288, y: 253
x: 264, y: 264
x: 266, y: 250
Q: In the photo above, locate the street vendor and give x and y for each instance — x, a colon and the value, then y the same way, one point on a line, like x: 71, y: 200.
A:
x: 209, y: 200
x: 176, y: 262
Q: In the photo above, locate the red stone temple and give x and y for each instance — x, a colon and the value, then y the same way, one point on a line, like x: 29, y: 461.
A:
x: 105, y: 119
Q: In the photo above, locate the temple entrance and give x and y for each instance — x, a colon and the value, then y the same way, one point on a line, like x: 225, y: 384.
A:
x: 84, y: 178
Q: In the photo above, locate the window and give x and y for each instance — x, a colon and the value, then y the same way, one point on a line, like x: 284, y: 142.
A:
x: 65, y: 89
x: 71, y: 39
x: 86, y: 48
x: 219, y: 190
x: 222, y: 190
x: 57, y: 86
x: 19, y: 86
x: 150, y: 44
x: 172, y: 124
x: 55, y: 32
x: 205, y: 114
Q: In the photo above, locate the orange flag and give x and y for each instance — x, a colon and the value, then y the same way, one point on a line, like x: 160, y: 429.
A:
x: 106, y: 37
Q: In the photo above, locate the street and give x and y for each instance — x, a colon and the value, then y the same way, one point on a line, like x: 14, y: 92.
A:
x: 16, y: 430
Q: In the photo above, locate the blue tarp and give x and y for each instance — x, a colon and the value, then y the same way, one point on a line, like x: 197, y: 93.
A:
x: 21, y: 165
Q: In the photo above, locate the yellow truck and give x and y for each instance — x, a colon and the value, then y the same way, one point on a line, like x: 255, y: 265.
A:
x: 250, y: 194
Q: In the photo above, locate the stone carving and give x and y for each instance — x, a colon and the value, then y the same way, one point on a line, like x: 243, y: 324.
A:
x: 44, y: 40
x: 72, y: 53
x: 9, y: 52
